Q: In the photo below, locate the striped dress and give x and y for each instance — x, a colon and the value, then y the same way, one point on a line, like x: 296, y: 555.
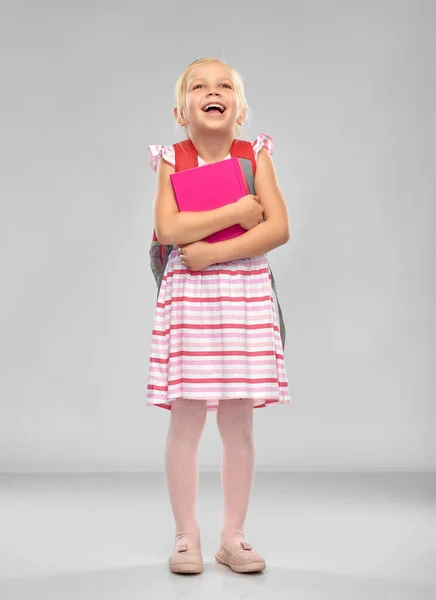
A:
x: 215, y: 334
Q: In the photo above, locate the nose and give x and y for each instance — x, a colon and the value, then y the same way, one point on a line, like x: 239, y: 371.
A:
x: 212, y: 91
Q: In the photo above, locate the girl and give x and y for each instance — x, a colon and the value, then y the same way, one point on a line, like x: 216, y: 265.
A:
x: 215, y: 342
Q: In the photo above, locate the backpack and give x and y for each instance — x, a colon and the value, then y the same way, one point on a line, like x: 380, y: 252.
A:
x: 187, y: 158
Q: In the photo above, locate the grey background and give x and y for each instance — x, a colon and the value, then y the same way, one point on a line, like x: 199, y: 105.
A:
x: 347, y: 91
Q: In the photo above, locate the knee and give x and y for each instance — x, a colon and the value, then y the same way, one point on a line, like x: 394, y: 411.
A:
x: 237, y: 437
x: 235, y: 433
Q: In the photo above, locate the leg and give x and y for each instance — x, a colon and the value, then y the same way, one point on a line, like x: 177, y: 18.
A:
x: 181, y: 465
x: 235, y: 424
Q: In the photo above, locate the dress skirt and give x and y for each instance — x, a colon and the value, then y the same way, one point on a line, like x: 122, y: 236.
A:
x: 216, y: 336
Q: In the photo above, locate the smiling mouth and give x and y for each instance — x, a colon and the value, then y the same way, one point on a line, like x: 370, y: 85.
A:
x: 214, y: 109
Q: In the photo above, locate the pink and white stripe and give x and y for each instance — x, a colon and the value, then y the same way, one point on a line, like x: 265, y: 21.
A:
x: 216, y: 336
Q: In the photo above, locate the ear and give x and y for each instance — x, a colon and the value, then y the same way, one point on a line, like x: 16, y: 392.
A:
x: 241, y: 118
x: 176, y: 116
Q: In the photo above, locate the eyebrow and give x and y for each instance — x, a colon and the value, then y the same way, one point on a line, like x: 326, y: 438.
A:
x: 197, y: 79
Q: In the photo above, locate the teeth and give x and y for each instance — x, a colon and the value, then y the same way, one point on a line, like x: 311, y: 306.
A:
x: 219, y: 106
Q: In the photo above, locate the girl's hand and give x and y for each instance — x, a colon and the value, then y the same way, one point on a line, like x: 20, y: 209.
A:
x: 250, y: 211
x: 197, y: 256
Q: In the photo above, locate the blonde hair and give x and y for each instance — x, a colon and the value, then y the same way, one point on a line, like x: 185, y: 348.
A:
x: 181, y: 90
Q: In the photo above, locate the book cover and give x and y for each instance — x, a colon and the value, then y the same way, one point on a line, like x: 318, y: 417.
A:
x: 209, y: 187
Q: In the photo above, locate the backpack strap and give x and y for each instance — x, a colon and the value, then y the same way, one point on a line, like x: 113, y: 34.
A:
x: 243, y: 149
x: 186, y: 155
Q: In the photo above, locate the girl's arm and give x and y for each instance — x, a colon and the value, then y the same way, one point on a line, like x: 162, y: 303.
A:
x: 275, y: 229
x: 173, y: 227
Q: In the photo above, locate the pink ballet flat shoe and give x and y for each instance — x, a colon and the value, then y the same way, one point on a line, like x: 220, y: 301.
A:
x: 185, y: 559
x: 245, y: 560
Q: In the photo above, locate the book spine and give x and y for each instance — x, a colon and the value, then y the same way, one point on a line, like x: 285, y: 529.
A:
x: 245, y: 189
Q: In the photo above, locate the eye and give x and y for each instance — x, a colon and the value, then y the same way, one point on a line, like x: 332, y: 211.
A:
x: 197, y: 85
x: 227, y: 85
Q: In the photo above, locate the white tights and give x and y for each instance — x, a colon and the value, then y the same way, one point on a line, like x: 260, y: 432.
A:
x: 235, y: 424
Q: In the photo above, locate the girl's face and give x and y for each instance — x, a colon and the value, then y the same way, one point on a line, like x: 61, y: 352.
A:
x: 208, y: 84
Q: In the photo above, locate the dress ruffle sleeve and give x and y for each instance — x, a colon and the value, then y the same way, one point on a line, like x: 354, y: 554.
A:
x: 263, y: 141
x: 156, y: 152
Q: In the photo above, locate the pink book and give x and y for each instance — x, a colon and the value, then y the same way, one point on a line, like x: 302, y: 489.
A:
x: 211, y: 186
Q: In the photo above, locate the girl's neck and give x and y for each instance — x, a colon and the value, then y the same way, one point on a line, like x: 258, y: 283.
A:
x: 213, y: 147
